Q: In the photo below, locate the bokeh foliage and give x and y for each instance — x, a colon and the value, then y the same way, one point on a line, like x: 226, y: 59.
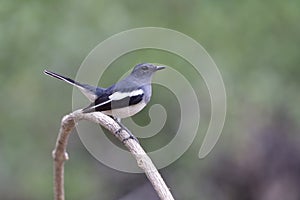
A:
x: 254, y: 43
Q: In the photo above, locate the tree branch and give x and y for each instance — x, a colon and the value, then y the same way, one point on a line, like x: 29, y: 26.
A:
x: 60, y: 155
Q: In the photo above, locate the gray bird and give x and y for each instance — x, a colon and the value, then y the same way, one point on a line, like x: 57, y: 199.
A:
x: 123, y: 99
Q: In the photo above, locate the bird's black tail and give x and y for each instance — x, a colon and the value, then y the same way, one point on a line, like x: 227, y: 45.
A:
x: 89, y: 91
x: 63, y: 78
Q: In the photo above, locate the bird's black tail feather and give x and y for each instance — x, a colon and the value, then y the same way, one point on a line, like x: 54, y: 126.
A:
x: 63, y: 78
x: 89, y: 91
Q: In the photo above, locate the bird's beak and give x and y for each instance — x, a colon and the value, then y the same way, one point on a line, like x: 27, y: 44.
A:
x: 160, y: 67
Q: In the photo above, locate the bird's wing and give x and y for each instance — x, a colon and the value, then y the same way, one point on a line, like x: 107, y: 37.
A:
x: 113, y: 100
x: 89, y: 91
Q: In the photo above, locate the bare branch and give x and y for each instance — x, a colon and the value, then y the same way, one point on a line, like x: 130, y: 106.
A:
x: 60, y: 155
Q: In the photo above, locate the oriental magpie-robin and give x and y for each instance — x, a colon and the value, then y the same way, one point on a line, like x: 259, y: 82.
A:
x: 123, y: 99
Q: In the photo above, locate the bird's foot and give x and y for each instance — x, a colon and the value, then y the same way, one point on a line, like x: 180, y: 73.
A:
x: 131, y: 136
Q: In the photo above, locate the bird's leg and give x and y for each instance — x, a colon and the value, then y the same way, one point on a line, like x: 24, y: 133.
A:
x: 123, y: 127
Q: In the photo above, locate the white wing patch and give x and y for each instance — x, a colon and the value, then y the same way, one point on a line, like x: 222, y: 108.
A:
x: 118, y: 96
x: 100, y: 104
x: 121, y: 95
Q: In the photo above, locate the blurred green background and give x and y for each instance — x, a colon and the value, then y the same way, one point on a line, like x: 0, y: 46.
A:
x: 255, y: 45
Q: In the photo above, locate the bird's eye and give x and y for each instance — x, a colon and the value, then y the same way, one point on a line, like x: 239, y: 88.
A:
x: 144, y: 67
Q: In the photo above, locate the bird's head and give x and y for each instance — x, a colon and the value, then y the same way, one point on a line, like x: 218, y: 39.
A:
x: 145, y: 70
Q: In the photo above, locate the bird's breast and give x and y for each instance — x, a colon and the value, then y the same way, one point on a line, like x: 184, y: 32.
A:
x: 125, y: 111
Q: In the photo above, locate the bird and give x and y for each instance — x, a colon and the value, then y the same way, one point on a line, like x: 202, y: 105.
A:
x: 123, y: 99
